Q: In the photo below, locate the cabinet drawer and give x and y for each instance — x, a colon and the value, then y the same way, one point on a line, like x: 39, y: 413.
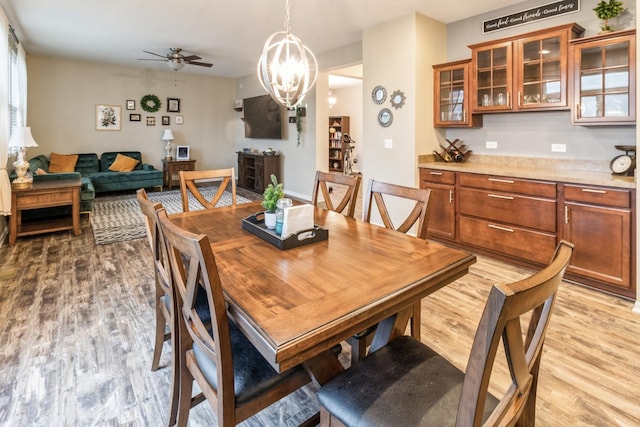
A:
x: 509, y: 208
x: 437, y: 176
x: 598, y: 196
x: 510, y: 185
x: 39, y: 200
x: 182, y: 167
x: 525, y: 244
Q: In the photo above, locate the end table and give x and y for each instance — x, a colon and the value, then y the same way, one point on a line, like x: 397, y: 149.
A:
x: 171, y: 167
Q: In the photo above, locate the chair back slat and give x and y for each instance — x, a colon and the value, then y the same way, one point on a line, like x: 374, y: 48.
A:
x: 507, y: 306
x: 188, y: 185
x: 419, y: 214
x: 349, y: 183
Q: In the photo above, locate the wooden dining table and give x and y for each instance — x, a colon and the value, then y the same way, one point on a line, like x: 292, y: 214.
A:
x: 294, y: 305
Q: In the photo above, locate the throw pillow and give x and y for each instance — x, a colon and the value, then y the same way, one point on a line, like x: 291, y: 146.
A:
x: 62, y: 162
x: 41, y: 171
x: 123, y: 164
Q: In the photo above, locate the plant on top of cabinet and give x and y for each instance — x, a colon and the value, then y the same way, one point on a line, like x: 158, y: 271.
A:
x: 608, y: 10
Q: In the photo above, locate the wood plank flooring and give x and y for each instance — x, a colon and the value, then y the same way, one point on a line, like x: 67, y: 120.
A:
x: 76, y: 327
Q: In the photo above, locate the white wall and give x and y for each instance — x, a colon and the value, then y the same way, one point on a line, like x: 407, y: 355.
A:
x: 63, y: 94
x: 531, y: 134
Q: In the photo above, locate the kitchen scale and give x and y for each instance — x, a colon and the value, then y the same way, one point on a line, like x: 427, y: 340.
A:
x: 624, y: 164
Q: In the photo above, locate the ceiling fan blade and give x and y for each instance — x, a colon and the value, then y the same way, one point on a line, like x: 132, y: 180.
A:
x: 156, y: 54
x: 152, y: 59
x: 201, y: 64
x: 191, y: 58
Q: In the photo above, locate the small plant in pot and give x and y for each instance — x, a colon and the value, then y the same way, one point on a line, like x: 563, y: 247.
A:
x: 607, y: 10
x: 271, y: 195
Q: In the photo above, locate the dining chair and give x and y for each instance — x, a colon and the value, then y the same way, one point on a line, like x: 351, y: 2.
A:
x: 406, y: 383
x: 188, y: 186
x: 164, y: 299
x: 230, y: 372
x: 347, y: 184
x: 379, y: 193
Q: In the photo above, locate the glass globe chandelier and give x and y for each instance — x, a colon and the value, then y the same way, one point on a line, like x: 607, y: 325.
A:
x: 287, y: 69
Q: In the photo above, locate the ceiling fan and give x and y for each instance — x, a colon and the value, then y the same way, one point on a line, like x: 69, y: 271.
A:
x: 176, y: 60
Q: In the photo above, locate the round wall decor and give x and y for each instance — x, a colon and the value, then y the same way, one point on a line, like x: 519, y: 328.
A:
x: 379, y: 95
x: 150, y: 103
x: 385, y: 117
x: 397, y: 99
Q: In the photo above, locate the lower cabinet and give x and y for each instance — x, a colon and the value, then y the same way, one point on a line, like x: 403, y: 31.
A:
x: 522, y: 220
x: 442, y: 206
x: 598, y: 221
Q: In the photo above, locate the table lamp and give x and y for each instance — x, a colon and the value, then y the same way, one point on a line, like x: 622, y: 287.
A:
x: 21, y: 139
x: 167, y: 136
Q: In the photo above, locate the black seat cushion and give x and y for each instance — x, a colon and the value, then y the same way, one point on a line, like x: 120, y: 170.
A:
x: 405, y: 383
x: 253, y: 375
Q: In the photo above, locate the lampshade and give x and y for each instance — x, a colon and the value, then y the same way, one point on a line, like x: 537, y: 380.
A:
x: 21, y: 137
x: 287, y: 69
x: 167, y: 135
x: 176, y: 64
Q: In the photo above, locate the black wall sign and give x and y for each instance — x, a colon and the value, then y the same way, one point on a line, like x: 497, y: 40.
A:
x: 531, y: 15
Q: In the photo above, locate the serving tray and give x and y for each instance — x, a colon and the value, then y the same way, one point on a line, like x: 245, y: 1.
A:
x: 254, y: 224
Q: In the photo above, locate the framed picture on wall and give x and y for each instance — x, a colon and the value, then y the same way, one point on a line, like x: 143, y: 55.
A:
x: 179, y: 120
x: 108, y: 117
x: 182, y: 152
x: 134, y: 117
x: 151, y: 121
x: 166, y: 121
x: 173, y: 105
x: 131, y: 104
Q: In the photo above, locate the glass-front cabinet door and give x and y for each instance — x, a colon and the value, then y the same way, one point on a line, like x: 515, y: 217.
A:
x: 493, y: 76
x: 451, y: 96
x: 604, y: 79
x: 542, y: 72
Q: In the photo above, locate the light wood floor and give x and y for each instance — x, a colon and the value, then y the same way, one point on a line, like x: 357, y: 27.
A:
x: 76, y: 327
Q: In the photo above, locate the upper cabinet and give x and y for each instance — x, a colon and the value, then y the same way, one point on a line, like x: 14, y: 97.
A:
x: 603, y: 72
x: 523, y: 73
x: 451, y: 96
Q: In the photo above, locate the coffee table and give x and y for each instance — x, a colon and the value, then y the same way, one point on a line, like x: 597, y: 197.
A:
x: 44, y: 195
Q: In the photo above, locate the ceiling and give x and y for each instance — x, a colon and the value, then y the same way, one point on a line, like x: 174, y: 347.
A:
x: 230, y: 34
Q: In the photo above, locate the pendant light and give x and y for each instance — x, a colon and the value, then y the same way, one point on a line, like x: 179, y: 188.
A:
x: 287, y: 69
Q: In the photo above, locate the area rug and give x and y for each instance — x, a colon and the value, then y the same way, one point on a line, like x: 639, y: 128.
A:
x: 116, y: 219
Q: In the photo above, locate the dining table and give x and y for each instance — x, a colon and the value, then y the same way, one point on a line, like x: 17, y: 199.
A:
x: 295, y: 305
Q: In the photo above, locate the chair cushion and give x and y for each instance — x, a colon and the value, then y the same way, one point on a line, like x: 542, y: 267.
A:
x: 253, y: 375
x: 405, y: 383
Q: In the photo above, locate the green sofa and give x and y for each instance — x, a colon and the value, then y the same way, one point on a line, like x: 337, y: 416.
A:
x: 96, y: 177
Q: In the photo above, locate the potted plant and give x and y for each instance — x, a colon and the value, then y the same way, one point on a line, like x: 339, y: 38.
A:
x: 271, y: 195
x: 607, y: 10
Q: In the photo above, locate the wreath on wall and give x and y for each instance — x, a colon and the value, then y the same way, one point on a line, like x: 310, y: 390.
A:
x: 150, y: 103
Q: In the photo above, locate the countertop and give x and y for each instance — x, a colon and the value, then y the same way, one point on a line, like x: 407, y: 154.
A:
x: 569, y: 171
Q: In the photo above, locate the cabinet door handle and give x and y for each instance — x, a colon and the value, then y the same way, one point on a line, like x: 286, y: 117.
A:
x: 519, y: 99
x: 497, y: 227
x: 450, y: 196
x: 504, y: 181
x: 566, y: 214
x: 509, y: 99
x: 591, y: 190
x: 498, y: 196
x: 435, y: 173
x: 577, y: 111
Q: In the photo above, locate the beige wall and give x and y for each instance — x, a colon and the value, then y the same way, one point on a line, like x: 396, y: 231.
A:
x: 63, y: 94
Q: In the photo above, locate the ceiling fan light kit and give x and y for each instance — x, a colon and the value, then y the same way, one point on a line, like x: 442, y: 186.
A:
x: 287, y: 69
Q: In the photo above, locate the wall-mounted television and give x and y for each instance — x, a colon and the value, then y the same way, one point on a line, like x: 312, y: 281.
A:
x: 263, y: 118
